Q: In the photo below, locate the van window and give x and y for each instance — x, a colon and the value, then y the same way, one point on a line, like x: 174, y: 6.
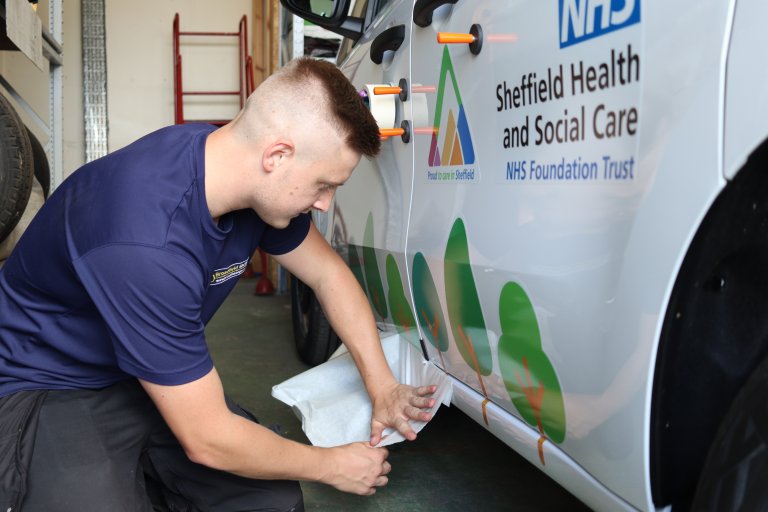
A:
x: 367, y: 9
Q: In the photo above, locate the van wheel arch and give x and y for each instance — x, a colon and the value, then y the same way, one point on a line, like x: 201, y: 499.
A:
x: 715, y: 332
x: 315, y: 338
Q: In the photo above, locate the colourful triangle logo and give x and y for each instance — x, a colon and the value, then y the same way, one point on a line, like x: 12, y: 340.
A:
x: 452, y: 143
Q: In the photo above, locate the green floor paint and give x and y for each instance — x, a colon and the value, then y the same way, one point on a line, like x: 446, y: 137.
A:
x: 252, y: 346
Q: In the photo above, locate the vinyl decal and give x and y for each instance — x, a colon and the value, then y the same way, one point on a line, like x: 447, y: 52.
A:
x: 528, y: 375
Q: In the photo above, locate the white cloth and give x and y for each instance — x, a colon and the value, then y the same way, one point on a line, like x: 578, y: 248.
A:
x: 332, y: 402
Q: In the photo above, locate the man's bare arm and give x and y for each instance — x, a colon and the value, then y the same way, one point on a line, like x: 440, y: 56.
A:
x: 214, y: 436
x: 347, y: 309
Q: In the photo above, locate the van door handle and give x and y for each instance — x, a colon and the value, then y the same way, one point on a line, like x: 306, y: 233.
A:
x: 422, y: 11
x: 390, y: 39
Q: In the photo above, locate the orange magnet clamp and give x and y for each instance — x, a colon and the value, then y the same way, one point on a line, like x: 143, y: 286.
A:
x: 404, y: 132
x: 391, y: 132
x: 382, y: 89
x: 454, y: 38
x: 401, y: 89
x: 474, y: 39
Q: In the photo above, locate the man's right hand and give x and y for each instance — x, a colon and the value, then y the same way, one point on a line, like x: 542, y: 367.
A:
x: 213, y: 436
x: 357, y: 468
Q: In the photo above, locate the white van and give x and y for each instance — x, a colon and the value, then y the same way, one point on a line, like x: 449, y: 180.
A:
x: 571, y: 219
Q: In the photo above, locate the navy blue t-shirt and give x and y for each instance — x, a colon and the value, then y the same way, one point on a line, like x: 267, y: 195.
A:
x: 121, y: 269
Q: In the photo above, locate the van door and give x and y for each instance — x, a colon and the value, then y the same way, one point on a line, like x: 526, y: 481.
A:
x: 370, y: 216
x: 526, y: 185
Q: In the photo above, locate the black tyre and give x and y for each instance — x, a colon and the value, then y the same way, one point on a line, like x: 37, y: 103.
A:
x: 16, y: 168
x: 315, y: 339
x: 40, y: 160
x: 736, y: 470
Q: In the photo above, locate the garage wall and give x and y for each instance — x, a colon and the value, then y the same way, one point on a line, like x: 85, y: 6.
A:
x: 33, y: 85
x: 73, y: 138
x: 139, y: 68
x: 140, y: 62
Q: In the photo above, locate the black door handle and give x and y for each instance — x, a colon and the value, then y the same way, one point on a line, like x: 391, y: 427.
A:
x: 390, y: 39
x: 422, y: 11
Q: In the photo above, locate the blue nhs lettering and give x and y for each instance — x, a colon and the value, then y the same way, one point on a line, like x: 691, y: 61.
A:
x: 584, y: 19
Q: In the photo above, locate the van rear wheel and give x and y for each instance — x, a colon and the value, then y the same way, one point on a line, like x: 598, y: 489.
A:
x: 314, y: 337
x: 736, y: 469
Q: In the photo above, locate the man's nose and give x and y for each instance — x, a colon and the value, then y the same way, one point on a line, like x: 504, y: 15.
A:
x: 324, y: 201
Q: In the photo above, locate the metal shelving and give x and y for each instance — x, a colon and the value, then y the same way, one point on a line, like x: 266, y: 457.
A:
x: 53, y: 52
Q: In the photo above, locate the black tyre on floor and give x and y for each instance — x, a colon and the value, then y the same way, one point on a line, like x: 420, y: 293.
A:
x: 315, y: 339
x: 40, y: 160
x: 735, y: 475
x: 16, y: 168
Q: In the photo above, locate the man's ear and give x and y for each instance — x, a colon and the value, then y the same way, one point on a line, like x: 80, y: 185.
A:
x: 276, y: 154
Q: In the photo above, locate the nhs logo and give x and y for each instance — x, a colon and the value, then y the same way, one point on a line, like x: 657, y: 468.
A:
x: 584, y: 19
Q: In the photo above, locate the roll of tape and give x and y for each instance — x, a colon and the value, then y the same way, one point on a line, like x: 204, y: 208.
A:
x: 383, y: 106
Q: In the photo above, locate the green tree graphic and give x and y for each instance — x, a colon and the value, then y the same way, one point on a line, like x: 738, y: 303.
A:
x: 464, y: 311
x: 398, y: 304
x: 356, y: 266
x: 372, y: 275
x: 528, y: 374
x: 427, y: 304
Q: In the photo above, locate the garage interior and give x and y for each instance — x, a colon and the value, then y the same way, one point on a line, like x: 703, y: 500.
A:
x: 104, y: 74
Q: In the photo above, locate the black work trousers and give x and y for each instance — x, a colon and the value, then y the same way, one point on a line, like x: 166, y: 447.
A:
x: 110, y: 450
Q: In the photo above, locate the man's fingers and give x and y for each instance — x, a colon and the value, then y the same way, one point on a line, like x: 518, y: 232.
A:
x: 415, y: 413
x: 425, y: 390
x: 382, y: 479
x: 423, y: 403
x: 376, y: 430
x: 405, y: 429
x: 406, y: 403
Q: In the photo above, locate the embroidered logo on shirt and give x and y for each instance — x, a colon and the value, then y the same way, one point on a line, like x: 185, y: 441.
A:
x: 227, y: 273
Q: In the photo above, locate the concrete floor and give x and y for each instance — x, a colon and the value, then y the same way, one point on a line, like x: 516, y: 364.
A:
x: 252, y: 346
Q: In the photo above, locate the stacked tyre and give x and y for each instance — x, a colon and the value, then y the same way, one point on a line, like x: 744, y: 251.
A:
x: 16, y: 168
x: 22, y: 160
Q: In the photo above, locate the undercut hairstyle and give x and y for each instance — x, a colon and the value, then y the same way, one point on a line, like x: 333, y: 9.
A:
x: 348, y: 112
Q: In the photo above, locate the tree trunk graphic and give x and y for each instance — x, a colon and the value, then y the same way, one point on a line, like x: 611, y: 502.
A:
x: 427, y: 302
x: 535, y: 398
x: 464, y: 311
x: 528, y: 374
x: 433, y: 328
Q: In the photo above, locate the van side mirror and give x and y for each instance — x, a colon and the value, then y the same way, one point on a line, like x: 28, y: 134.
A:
x: 329, y: 14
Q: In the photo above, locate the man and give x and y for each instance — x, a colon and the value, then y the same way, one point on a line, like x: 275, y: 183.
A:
x: 103, y: 305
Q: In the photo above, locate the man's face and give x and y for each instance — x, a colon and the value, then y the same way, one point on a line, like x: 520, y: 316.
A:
x: 304, y: 186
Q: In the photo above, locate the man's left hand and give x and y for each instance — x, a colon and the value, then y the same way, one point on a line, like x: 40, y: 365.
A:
x: 394, y: 407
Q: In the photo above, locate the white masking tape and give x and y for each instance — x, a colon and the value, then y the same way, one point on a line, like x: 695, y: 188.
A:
x: 382, y: 106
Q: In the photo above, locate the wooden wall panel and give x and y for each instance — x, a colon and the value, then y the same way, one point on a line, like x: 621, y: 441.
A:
x: 265, y: 40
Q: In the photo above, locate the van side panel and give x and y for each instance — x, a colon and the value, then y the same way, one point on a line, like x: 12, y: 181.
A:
x: 572, y: 270
x: 746, y: 101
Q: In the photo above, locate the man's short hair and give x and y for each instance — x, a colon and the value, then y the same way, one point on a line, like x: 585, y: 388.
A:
x: 348, y: 111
